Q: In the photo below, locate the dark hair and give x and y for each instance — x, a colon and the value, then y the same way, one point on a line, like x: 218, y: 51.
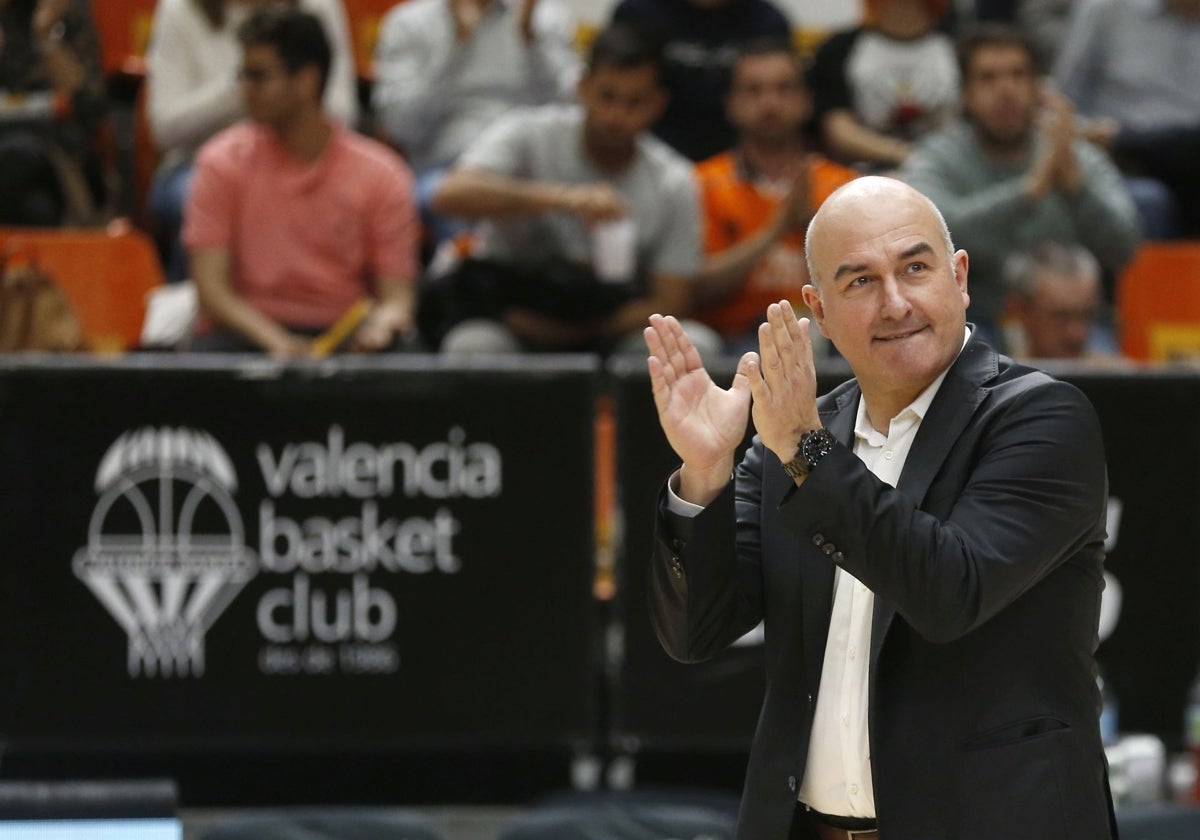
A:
x: 985, y: 35
x: 213, y: 11
x: 297, y: 36
x: 625, y: 45
x: 765, y: 45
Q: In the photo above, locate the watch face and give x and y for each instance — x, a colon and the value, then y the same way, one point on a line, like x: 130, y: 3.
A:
x: 815, y: 445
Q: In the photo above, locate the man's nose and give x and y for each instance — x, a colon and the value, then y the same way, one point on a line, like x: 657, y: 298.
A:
x: 895, y: 303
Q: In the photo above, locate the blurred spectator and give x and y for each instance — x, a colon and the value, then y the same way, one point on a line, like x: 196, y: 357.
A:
x: 880, y: 86
x: 51, y: 104
x: 447, y: 69
x: 1134, y: 67
x: 192, y: 92
x: 759, y: 196
x: 1013, y: 173
x: 1055, y: 300
x: 293, y: 218
x: 701, y: 39
x: 591, y: 224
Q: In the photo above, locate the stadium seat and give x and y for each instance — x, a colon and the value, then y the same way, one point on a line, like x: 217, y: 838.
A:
x: 320, y: 824
x: 1158, y: 302
x: 106, y: 273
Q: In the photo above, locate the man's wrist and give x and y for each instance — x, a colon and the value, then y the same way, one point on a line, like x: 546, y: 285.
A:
x: 1036, y: 187
x: 701, y: 486
x: 811, y: 449
x: 554, y: 197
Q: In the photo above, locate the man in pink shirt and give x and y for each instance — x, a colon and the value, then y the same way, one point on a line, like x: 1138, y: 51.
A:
x: 292, y: 218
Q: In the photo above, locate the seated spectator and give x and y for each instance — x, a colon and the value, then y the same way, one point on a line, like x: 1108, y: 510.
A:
x: 51, y: 104
x: 294, y: 218
x: 1007, y: 177
x: 878, y: 87
x: 590, y: 224
x: 192, y: 93
x: 1055, y: 300
x: 447, y: 69
x: 759, y: 196
x: 1133, y: 68
x: 701, y: 38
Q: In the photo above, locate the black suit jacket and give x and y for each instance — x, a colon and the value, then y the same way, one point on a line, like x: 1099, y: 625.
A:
x: 987, y: 566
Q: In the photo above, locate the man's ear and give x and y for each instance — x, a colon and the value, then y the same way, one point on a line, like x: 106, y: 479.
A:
x: 812, y: 299
x: 961, y: 264
x: 661, y: 98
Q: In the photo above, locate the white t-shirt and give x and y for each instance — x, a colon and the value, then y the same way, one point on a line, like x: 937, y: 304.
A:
x: 903, y: 88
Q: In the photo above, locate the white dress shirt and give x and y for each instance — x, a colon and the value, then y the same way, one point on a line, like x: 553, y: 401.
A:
x: 837, y: 777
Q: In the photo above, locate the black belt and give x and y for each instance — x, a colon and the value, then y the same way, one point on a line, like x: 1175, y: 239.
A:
x: 845, y: 823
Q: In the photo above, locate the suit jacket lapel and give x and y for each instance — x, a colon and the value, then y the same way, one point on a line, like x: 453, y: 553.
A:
x: 948, y: 415
x: 816, y: 569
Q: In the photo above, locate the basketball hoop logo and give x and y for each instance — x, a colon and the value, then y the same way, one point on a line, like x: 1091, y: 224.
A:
x: 166, y: 550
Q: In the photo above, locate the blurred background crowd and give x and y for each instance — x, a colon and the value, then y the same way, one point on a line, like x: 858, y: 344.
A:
x: 513, y: 176
x: 487, y: 178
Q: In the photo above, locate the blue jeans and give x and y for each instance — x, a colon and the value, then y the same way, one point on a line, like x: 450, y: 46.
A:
x: 440, y: 228
x: 168, y: 193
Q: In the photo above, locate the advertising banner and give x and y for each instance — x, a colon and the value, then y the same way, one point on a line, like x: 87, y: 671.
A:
x: 376, y: 556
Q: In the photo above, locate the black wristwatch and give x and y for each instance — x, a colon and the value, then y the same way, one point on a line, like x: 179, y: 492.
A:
x: 814, y: 446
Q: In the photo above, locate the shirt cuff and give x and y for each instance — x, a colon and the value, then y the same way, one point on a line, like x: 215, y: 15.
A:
x: 678, y: 506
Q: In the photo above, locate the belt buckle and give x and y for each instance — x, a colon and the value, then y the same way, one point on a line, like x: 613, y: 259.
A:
x: 862, y: 832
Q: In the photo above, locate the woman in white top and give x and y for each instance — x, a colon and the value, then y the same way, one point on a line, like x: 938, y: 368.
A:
x: 193, y: 62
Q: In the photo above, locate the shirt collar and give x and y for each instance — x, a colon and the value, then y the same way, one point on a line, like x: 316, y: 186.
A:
x: 916, y: 409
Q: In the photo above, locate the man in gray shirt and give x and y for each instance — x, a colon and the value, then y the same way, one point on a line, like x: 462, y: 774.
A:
x: 1131, y: 66
x: 585, y: 194
x: 1012, y: 174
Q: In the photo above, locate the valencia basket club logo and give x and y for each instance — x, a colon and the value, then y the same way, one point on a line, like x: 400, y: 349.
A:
x: 166, y: 551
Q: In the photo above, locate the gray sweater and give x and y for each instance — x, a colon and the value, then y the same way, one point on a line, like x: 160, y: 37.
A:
x: 989, y: 215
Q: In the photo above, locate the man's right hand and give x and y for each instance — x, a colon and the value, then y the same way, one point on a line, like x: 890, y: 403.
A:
x: 593, y: 203
x: 287, y: 346
x: 1055, y: 166
x: 796, y: 210
x: 704, y: 423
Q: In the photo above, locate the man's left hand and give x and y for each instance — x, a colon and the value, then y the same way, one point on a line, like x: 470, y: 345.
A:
x: 783, y: 382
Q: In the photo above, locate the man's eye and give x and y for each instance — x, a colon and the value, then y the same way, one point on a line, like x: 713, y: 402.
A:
x: 916, y: 266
